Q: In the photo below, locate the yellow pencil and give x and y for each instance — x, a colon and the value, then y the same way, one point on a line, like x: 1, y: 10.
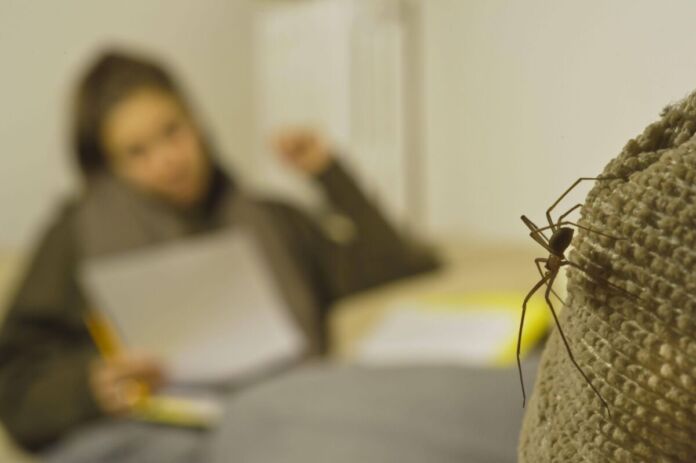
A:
x: 102, y: 334
x: 109, y: 347
x: 145, y: 406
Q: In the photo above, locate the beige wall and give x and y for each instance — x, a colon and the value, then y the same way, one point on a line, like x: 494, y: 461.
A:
x: 44, y: 44
x: 523, y: 97
x: 520, y: 98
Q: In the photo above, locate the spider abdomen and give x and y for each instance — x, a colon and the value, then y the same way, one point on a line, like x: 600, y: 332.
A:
x: 560, y: 240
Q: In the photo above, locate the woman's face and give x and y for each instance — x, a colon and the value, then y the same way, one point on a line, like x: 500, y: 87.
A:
x: 153, y: 144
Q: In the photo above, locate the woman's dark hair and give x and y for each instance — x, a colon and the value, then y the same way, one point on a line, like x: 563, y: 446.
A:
x: 108, y: 81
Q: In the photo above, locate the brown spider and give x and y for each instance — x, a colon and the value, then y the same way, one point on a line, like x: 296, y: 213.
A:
x: 556, y: 245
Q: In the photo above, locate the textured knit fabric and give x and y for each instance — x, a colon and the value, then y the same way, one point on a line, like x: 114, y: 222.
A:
x: 640, y: 353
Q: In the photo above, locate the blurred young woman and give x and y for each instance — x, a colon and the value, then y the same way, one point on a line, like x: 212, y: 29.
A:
x: 151, y: 176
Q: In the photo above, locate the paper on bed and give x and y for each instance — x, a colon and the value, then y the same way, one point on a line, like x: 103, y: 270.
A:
x: 470, y: 329
x: 207, y: 306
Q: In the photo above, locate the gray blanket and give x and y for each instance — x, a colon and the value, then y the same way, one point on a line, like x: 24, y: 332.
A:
x: 329, y: 413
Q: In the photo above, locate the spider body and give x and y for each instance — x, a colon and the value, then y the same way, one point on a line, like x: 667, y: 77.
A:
x: 556, y: 245
x: 560, y: 240
x: 554, y: 263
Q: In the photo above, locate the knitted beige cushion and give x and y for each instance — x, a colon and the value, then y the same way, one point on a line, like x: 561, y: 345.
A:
x: 640, y: 354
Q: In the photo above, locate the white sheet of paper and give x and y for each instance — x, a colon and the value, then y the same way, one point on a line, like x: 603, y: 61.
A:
x: 415, y: 334
x: 207, y: 306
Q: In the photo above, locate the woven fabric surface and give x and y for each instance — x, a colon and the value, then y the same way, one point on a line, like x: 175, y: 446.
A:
x: 640, y: 353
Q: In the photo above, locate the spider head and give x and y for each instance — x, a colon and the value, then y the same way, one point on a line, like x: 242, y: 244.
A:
x: 560, y: 240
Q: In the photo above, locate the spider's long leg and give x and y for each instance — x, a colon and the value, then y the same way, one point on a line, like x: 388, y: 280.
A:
x: 533, y: 227
x: 565, y: 193
x: 592, y: 230
x: 538, y: 261
x: 567, y: 346
x: 538, y: 285
x: 536, y: 235
x: 566, y: 213
x: 603, y: 280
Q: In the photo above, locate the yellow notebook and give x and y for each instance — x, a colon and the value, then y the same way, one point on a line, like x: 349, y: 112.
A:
x: 466, y: 328
x: 181, y: 411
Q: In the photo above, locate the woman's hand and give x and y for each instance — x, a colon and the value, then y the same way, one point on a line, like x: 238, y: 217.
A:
x: 303, y: 149
x: 119, y: 383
